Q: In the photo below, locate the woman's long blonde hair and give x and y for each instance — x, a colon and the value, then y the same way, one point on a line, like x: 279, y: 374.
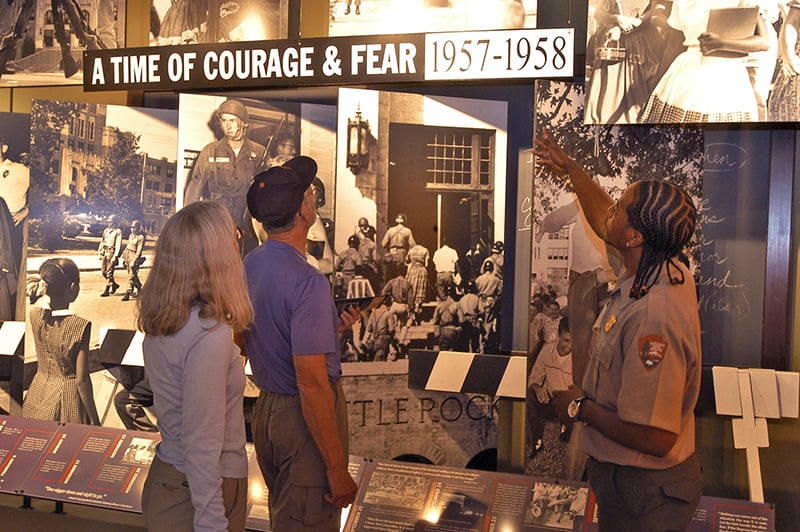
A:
x: 196, y: 262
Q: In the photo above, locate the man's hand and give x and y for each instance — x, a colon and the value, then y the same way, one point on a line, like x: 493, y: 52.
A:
x: 20, y: 215
x: 343, y: 487
x: 348, y: 317
x: 541, y: 394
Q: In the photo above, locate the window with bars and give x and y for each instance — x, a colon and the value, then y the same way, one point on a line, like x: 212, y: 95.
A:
x: 460, y: 159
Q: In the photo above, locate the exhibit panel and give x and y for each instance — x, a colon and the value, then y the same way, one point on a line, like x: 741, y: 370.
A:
x: 381, y: 142
x: 43, y: 42
x: 572, y: 272
x: 223, y: 142
x: 186, y: 22
x: 95, y: 170
x: 376, y: 17
x: 15, y: 207
x: 721, y: 61
x: 425, y: 177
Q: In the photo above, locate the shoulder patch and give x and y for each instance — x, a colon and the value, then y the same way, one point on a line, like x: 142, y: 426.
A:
x: 652, y: 349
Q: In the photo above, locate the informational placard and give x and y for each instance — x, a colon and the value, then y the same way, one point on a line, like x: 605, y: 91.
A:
x: 22, y: 443
x: 400, y: 495
x: 422, y: 497
x: 83, y: 464
x: 730, y: 515
x: 106, y: 468
x: 499, y: 54
x: 94, y: 465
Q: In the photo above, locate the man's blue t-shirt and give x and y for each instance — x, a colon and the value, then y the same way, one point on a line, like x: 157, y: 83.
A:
x: 294, y: 316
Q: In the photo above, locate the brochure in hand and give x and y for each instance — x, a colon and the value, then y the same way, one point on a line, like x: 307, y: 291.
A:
x: 366, y: 304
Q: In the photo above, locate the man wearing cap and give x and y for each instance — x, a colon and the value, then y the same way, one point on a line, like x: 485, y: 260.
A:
x: 108, y: 251
x: 132, y: 259
x: 300, y: 428
x: 224, y: 169
x: 397, y: 241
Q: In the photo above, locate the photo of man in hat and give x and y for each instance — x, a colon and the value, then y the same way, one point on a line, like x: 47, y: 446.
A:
x: 224, y: 168
x: 397, y: 240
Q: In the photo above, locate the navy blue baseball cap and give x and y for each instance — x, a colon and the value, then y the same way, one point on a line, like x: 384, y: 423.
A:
x: 277, y: 193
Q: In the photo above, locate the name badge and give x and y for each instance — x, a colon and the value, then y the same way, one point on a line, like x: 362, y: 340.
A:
x: 612, y: 320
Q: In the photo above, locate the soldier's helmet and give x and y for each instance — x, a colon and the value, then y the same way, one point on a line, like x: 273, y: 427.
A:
x: 235, y: 108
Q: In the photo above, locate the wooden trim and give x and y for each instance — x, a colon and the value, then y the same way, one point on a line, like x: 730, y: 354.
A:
x: 775, y: 352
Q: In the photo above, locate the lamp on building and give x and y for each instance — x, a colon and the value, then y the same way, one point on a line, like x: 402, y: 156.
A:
x: 359, y: 143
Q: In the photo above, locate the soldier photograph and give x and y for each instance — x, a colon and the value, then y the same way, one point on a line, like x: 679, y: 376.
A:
x: 223, y: 150
x: 102, y: 211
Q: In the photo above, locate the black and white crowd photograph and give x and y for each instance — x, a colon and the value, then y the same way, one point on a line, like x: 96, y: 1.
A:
x: 420, y: 202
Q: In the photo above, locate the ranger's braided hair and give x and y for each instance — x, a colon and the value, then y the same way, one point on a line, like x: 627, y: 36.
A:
x: 666, y: 217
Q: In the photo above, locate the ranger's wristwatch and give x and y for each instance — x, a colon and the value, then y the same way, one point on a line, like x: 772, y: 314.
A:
x: 574, y: 408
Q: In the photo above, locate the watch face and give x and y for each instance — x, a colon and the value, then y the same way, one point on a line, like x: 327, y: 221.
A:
x: 572, y: 409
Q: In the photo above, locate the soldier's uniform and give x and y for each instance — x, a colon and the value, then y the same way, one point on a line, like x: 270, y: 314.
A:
x: 109, y: 250
x: 131, y: 255
x: 220, y: 174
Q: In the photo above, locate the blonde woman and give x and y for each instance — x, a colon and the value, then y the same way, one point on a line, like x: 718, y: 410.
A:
x: 192, y: 303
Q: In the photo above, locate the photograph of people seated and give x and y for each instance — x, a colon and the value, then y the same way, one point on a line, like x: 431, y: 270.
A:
x: 690, y: 61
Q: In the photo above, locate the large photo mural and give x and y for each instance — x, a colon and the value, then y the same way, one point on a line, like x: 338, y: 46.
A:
x: 380, y: 17
x: 179, y: 22
x: 571, y: 271
x: 102, y: 184
x: 420, y: 212
x: 679, y: 61
x: 42, y: 42
x: 14, y: 213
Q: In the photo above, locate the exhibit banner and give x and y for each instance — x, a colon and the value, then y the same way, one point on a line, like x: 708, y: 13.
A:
x: 499, y: 54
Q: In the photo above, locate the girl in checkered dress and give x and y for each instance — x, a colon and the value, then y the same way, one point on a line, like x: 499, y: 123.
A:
x: 61, y: 389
